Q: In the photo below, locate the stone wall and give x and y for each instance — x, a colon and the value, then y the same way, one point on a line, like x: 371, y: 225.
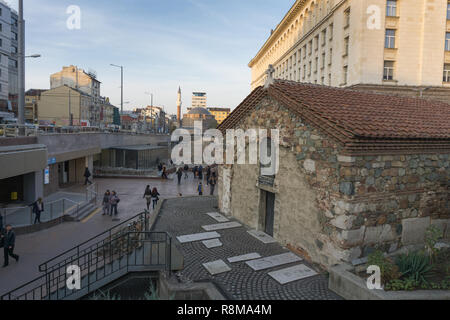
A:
x: 339, y: 207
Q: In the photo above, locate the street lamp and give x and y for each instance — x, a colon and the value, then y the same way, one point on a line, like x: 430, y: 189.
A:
x: 121, y: 86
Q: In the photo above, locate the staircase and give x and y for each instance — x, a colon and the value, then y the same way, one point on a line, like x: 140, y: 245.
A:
x: 102, y: 260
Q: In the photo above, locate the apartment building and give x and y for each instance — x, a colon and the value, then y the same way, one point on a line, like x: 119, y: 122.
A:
x: 392, y: 46
x: 8, y: 58
x: 198, y: 100
x: 220, y: 114
x: 86, y: 82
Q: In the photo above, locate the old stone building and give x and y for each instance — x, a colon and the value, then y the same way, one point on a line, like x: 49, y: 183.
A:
x: 357, y: 170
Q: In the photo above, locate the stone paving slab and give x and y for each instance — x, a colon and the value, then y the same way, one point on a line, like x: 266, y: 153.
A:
x: 262, y: 236
x: 292, y: 274
x: 214, y: 243
x: 183, y: 216
x: 216, y: 267
x: 218, y: 217
x: 244, y: 257
x: 222, y: 226
x: 273, y: 261
x: 198, y: 237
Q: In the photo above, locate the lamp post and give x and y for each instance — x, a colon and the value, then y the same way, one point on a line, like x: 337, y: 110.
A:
x: 121, y: 86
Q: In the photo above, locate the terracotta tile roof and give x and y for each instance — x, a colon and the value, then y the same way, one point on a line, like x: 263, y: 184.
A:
x: 359, y: 120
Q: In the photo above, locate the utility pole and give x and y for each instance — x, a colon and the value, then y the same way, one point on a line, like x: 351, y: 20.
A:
x: 21, y: 70
x: 121, y: 86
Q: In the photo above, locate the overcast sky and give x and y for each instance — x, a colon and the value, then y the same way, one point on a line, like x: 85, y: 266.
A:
x: 201, y: 45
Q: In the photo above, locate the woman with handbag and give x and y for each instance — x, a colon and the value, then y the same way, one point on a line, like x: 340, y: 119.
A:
x: 155, y: 197
x: 148, y: 196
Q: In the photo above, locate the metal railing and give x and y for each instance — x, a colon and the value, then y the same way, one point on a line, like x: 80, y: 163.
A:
x: 34, y: 130
x: 92, y: 193
x: 24, y: 216
x: 130, y: 251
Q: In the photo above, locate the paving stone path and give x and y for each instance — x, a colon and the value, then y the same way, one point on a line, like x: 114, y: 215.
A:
x: 186, y: 216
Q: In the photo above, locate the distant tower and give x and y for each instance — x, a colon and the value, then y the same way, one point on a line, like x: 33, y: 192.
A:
x: 179, y: 106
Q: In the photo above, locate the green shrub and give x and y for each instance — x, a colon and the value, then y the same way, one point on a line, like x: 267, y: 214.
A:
x: 415, y: 266
x: 432, y: 236
x: 389, y: 271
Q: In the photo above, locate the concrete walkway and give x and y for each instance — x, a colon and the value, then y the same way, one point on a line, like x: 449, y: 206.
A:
x: 41, y: 246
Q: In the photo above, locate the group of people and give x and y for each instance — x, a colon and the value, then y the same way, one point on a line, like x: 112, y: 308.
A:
x: 7, y: 242
x: 211, y: 177
x: 152, y: 196
x: 110, y: 203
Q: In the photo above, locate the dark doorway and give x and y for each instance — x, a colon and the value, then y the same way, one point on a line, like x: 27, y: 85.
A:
x: 270, y: 213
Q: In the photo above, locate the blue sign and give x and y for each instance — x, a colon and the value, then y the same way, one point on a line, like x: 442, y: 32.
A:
x: 51, y: 161
x: 47, y: 175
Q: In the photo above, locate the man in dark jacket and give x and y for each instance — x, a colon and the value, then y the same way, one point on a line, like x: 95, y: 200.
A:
x: 38, y: 208
x: 9, y: 243
x: 87, y: 175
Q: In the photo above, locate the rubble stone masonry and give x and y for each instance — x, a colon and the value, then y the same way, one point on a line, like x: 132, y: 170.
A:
x: 338, y: 207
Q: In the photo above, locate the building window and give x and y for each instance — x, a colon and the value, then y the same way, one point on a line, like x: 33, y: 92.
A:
x: 446, y: 72
x: 316, y: 40
x: 329, y: 79
x: 316, y: 65
x: 304, y: 72
x: 346, y: 44
x: 388, y: 73
x: 346, y: 17
x: 310, y: 47
x: 391, y: 8
x: 448, y: 10
x: 345, y: 74
x: 330, y: 61
x: 310, y: 68
x: 389, y: 41
x: 324, y: 37
x: 304, y: 51
x: 331, y: 32
x: 447, y: 41
x: 323, y: 60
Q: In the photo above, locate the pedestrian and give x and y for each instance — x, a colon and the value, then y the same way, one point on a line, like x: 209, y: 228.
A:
x: 200, y: 189
x: 87, y: 175
x: 164, y: 173
x: 148, y: 196
x: 186, y: 169
x: 38, y: 207
x: 9, y: 242
x: 195, y: 172
x: 114, y: 201
x: 179, y: 175
x: 208, y: 174
x: 106, y: 203
x: 200, y: 172
x: 212, y: 185
x: 160, y: 167
x: 155, y: 197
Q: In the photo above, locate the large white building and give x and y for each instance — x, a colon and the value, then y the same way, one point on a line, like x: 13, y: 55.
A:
x: 8, y: 57
x: 397, y: 46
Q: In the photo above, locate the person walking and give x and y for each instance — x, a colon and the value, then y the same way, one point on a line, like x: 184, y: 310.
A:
x: 37, y: 208
x: 155, y: 197
x: 9, y: 242
x: 208, y: 174
x: 148, y: 196
x: 114, y: 201
x: 164, y: 173
x: 200, y: 172
x: 195, y: 171
x: 87, y: 175
x: 212, y: 185
x: 179, y: 175
x: 186, y: 170
x: 200, y: 189
x: 106, y: 203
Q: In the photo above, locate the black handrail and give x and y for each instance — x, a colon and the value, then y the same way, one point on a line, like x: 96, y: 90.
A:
x: 43, y: 267
x: 47, y: 285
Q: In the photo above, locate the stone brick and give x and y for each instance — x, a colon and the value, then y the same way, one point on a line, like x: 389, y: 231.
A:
x: 379, y: 234
x: 347, y: 188
x: 310, y: 165
x: 343, y: 222
x: 413, y: 230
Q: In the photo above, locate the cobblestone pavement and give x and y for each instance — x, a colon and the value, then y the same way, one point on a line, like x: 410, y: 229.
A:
x: 187, y: 215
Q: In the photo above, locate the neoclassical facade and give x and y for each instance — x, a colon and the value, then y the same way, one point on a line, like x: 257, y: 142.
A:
x: 392, y: 46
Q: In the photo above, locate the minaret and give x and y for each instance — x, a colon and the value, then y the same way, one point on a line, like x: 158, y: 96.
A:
x: 179, y: 107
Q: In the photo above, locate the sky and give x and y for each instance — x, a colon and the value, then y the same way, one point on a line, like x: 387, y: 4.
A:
x: 200, y: 45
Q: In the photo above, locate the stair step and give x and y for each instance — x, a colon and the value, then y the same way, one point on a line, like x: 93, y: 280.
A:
x: 86, y: 211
